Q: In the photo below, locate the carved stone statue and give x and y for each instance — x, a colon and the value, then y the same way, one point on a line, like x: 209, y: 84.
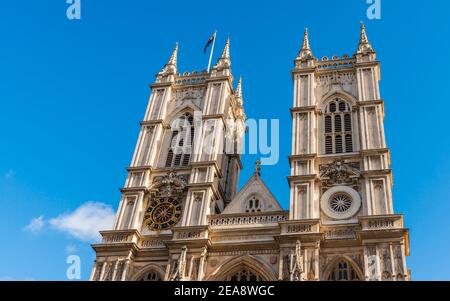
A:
x: 296, y: 259
x: 169, y: 185
x: 311, y: 267
x: 339, y: 172
x: 398, y: 260
x: 386, y: 260
x: 180, y: 268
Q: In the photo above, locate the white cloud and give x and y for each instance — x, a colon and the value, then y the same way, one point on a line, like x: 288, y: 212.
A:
x: 35, y: 225
x: 85, y: 221
x: 71, y: 249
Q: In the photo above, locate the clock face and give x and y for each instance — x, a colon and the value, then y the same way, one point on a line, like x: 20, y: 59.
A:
x: 162, y: 214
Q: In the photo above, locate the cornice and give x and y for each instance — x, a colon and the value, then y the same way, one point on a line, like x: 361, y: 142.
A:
x: 139, y: 168
x: 302, y: 109
x: 133, y: 189
x: 306, y: 70
x: 302, y: 157
x: 161, y: 85
x: 207, y: 164
x: 377, y: 151
x: 363, y: 103
x: 228, y: 79
x: 213, y: 116
x: 372, y: 173
x: 301, y: 178
x: 154, y: 123
x: 367, y: 64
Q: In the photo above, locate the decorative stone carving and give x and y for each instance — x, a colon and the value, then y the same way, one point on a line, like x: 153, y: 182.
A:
x: 213, y: 262
x: 398, y: 257
x: 180, y: 268
x: 386, y: 260
x: 336, y: 81
x: 195, y: 95
x: 296, y: 262
x: 286, y: 268
x: 171, y: 185
x: 311, y: 266
x: 334, y: 206
x: 217, y: 221
x: 345, y: 233
x: 339, y: 172
x: 372, y: 268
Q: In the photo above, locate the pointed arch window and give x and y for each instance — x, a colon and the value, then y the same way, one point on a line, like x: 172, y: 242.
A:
x: 181, y: 142
x: 338, y: 133
x: 244, y: 274
x: 253, y: 205
x: 343, y: 271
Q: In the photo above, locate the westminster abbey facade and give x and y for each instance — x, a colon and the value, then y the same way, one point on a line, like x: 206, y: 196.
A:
x: 181, y: 216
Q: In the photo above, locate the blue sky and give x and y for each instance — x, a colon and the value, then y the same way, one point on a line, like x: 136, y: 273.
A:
x: 73, y: 92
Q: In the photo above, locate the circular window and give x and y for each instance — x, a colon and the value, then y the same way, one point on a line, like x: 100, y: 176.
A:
x: 340, y: 202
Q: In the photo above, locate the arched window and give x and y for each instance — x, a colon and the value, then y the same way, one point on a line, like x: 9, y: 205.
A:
x: 338, y: 127
x: 343, y: 271
x: 253, y: 205
x: 244, y: 274
x: 151, y: 276
x: 181, y: 142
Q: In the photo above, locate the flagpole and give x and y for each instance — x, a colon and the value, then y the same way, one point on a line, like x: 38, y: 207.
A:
x: 212, y: 50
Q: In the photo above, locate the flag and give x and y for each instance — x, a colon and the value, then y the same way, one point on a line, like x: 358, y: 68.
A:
x: 210, y: 40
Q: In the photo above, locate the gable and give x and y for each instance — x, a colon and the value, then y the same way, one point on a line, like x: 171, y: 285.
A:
x: 253, y: 197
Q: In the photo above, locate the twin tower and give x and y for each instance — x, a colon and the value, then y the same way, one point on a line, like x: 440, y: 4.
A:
x: 181, y: 216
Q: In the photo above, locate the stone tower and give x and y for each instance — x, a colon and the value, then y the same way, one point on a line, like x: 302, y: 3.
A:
x: 185, y: 167
x: 341, y: 178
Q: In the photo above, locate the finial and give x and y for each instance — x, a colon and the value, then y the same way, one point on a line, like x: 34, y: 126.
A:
x: 305, y: 52
x: 258, y: 167
x: 364, y: 44
x: 239, y: 88
x: 224, y: 60
x: 363, y: 35
x: 305, y: 45
x: 226, y: 50
x: 171, y: 66
x: 174, y: 56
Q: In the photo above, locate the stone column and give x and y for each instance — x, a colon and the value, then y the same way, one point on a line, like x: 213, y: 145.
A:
x: 125, y: 270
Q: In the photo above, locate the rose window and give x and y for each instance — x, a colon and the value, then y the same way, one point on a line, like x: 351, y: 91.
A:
x: 341, y: 202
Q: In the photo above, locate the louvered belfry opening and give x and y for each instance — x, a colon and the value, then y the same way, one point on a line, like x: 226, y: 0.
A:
x: 181, y: 142
x: 338, y: 127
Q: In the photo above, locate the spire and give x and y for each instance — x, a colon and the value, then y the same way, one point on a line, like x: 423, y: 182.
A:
x: 305, y: 45
x: 226, y: 50
x: 174, y: 56
x: 238, y: 92
x: 171, y: 66
x: 364, y: 44
x: 225, y: 59
x: 305, y: 52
